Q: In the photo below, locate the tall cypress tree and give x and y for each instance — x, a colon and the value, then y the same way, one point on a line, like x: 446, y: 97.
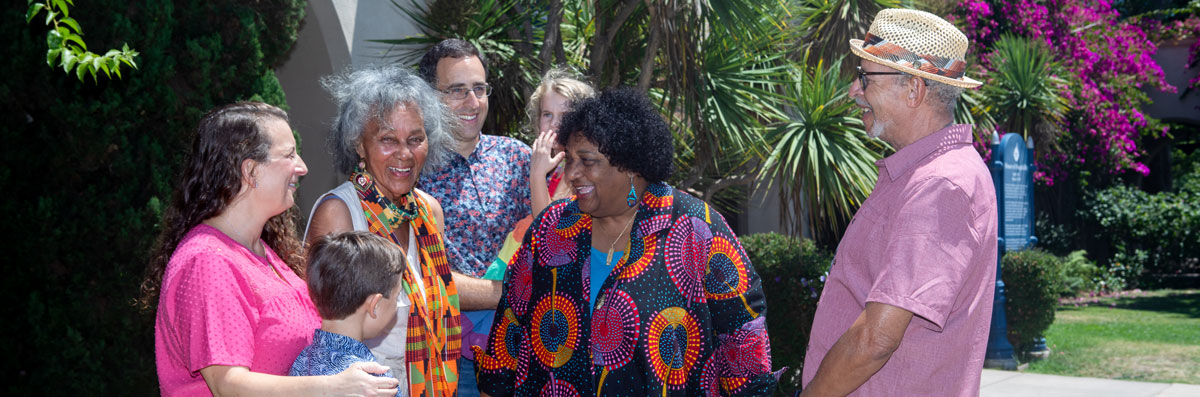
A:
x: 88, y: 166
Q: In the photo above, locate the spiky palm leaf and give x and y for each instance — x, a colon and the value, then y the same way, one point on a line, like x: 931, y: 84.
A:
x: 721, y: 115
x: 828, y: 26
x: 1023, y: 93
x: 821, y: 158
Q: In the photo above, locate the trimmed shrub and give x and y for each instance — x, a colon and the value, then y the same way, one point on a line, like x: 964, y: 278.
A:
x: 1032, y: 280
x: 793, y: 273
x: 87, y: 168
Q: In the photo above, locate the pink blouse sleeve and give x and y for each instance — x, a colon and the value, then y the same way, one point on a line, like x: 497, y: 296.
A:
x: 214, y: 315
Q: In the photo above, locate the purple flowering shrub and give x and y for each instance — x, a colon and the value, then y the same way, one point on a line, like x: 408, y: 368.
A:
x: 1106, y: 61
x: 1182, y: 30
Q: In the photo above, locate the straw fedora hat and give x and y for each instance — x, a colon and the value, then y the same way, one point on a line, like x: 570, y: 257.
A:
x: 918, y: 43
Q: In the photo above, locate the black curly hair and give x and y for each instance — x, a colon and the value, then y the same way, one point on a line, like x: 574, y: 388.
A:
x: 627, y: 130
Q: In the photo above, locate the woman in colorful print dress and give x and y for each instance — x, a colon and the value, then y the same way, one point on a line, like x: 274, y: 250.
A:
x: 549, y: 102
x: 233, y: 312
x: 630, y: 287
x: 390, y: 126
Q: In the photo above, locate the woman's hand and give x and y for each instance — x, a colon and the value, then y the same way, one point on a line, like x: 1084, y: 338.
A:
x: 225, y: 380
x: 358, y: 381
x: 543, y: 160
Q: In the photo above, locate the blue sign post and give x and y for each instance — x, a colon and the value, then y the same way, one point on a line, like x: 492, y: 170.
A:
x: 1012, y: 172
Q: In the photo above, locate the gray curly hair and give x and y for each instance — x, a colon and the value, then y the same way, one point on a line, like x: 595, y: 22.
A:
x: 371, y: 93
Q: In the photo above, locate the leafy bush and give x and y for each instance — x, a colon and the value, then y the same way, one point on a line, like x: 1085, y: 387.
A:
x: 1079, y: 274
x: 1152, y: 233
x: 793, y: 273
x: 1033, y: 279
x: 87, y: 167
x: 1058, y: 238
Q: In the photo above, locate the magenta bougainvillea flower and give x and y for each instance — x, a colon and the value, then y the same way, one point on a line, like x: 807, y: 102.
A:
x: 1108, y: 61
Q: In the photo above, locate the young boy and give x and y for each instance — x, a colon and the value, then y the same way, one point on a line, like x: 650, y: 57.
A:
x: 354, y: 281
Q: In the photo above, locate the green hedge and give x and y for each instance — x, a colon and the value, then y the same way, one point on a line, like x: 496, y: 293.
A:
x: 1033, y: 280
x: 1147, y: 234
x: 88, y: 166
x: 793, y: 272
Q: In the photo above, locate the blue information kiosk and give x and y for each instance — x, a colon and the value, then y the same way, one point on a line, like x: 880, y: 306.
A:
x: 1012, y: 172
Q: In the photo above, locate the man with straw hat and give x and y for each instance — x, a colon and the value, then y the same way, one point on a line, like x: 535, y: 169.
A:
x: 907, y: 305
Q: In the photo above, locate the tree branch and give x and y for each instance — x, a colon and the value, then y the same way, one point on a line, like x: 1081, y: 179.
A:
x: 725, y: 183
x: 647, y: 71
x: 552, y: 45
x: 608, y: 33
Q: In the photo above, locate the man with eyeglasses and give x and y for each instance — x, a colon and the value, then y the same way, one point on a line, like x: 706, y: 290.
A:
x: 484, y: 191
x: 907, y: 304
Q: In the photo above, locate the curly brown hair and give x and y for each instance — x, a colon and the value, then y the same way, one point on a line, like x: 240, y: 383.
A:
x: 211, y: 177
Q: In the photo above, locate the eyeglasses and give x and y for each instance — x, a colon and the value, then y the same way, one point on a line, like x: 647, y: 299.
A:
x: 862, y: 76
x: 460, y: 93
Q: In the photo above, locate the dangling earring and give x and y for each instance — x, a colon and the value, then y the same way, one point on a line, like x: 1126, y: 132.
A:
x: 631, y: 198
x: 255, y: 184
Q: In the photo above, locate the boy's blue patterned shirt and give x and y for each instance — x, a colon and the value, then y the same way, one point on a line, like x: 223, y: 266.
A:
x: 330, y: 354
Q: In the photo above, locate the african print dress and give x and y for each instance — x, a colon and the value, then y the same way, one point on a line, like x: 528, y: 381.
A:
x: 682, y: 314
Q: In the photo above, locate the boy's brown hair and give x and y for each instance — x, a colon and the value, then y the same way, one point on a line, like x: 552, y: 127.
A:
x: 345, y: 269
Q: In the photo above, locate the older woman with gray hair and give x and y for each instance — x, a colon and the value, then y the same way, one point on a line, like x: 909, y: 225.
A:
x: 390, y: 126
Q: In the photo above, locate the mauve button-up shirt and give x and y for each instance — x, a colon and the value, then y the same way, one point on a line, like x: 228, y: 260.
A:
x: 923, y: 241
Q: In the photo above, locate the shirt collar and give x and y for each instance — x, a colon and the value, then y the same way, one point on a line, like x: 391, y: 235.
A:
x: 341, y: 342
x: 486, y: 142
x: 900, y: 162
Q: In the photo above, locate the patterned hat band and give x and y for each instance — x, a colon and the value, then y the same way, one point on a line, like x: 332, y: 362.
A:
x: 880, y: 47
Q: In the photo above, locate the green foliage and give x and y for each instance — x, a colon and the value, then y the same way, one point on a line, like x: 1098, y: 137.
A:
x: 88, y: 167
x: 1022, y: 95
x: 1056, y: 238
x: 1125, y: 268
x: 828, y: 26
x: 1079, y: 275
x: 720, y: 124
x: 1155, y: 233
x: 66, y: 44
x: 1032, y: 279
x: 821, y: 157
x: 793, y: 272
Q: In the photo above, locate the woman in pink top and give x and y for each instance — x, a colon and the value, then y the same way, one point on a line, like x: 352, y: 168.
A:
x: 233, y: 311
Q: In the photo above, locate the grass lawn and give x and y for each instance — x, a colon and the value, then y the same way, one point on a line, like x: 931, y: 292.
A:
x: 1148, y: 336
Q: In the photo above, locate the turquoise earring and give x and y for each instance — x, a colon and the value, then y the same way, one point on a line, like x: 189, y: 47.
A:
x: 631, y: 198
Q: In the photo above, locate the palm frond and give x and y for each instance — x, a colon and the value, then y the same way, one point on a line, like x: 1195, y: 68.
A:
x: 825, y: 168
x: 1023, y: 93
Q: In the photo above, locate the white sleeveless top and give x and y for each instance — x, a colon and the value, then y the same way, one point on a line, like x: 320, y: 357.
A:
x: 389, y: 347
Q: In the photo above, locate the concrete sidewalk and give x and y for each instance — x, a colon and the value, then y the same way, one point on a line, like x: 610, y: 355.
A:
x: 1010, y: 383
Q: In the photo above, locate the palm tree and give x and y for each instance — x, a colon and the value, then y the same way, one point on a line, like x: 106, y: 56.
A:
x: 828, y: 26
x: 821, y: 158
x: 1022, y: 94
